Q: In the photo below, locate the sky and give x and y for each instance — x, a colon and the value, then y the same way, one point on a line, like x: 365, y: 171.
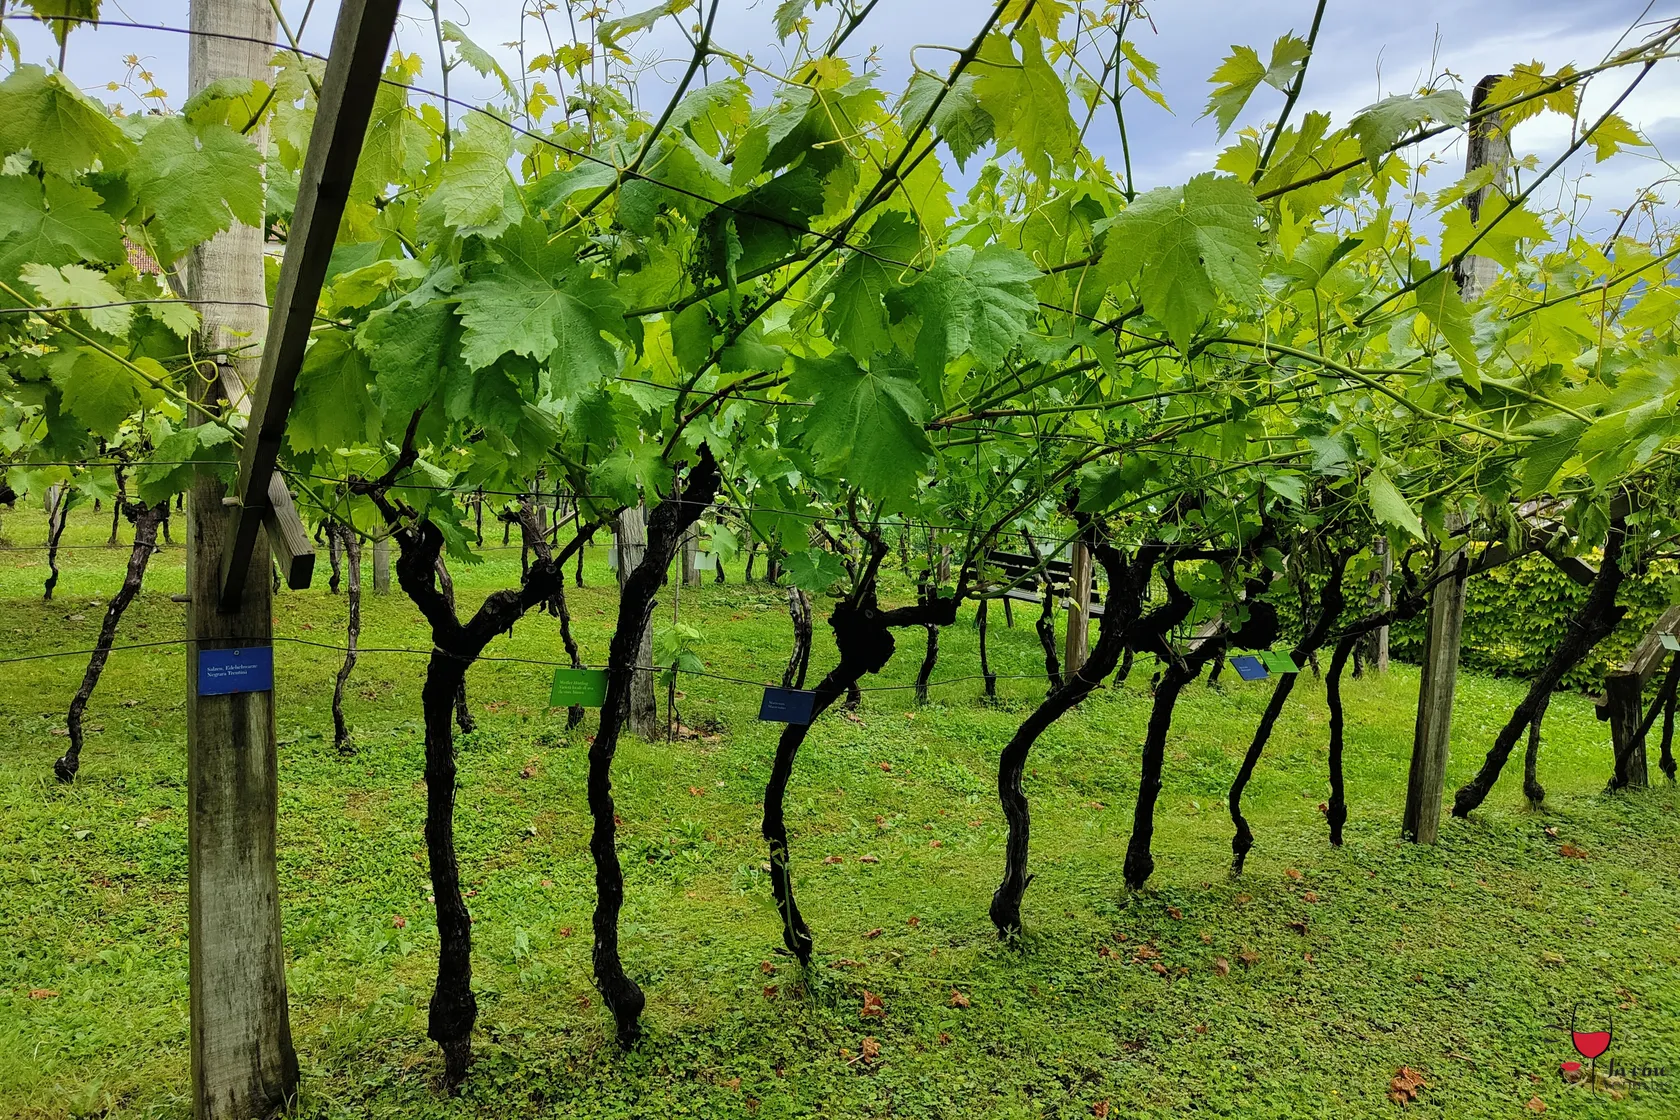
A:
x: 1366, y: 50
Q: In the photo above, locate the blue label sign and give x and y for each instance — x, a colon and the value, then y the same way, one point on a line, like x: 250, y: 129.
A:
x: 1249, y: 668
x: 223, y: 672
x: 787, y: 705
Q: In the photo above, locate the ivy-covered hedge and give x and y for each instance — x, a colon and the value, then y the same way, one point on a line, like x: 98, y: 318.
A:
x: 1515, y: 615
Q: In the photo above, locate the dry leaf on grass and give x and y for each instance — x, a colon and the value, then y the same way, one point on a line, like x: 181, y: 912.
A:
x: 1404, y: 1088
x: 869, y: 859
x: 770, y: 991
x: 958, y: 999
x: 1571, y: 851
x: 874, y: 933
x: 1222, y: 966
x: 1535, y: 1105
x: 1175, y: 913
x: 1100, y: 1110
x: 835, y: 859
x: 766, y: 967
x: 873, y: 1006
x: 42, y: 993
x: 1292, y: 873
x: 1248, y: 957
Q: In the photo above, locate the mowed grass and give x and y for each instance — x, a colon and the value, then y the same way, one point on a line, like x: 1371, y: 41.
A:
x: 1461, y: 961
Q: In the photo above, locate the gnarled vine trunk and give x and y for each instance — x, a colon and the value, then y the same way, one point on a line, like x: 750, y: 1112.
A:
x: 532, y: 535
x: 799, y: 661
x: 58, y: 515
x: 1330, y: 603
x: 986, y: 673
x: 146, y: 521
x: 1532, y: 789
x: 1595, y: 619
x: 666, y: 524
x: 1128, y: 580
x: 863, y: 636
x: 346, y: 542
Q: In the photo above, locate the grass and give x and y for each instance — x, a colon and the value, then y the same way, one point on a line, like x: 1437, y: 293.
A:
x: 1461, y: 961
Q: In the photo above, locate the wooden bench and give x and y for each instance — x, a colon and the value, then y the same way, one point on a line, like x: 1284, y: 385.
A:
x: 1022, y: 570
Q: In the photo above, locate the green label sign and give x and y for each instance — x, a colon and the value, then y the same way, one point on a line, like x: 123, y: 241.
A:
x: 1670, y: 642
x: 1278, y: 661
x: 586, y: 688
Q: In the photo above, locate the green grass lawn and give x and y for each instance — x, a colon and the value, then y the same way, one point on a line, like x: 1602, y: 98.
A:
x: 1460, y: 961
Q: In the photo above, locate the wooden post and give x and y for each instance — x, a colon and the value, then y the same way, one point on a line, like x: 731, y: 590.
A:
x: 1077, y: 645
x: 691, y: 557
x: 1428, y: 777
x: 1489, y: 144
x: 1624, y: 707
x: 382, y: 563
x: 631, y: 537
x: 1385, y: 600
x: 243, y: 1064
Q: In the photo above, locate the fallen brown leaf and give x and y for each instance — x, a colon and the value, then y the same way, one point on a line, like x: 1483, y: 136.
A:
x: 1552, y: 832
x: 42, y: 993
x: 885, y: 767
x: 873, y: 1006
x: 874, y: 933
x: 958, y: 999
x: 869, y: 859
x: 1221, y: 966
x: 1201, y: 1028
x: 1159, y: 968
x: 1310, y: 896
x: 1247, y: 957
x: 766, y: 967
x: 565, y: 931
x: 732, y: 1083
x: 835, y: 859
x: 1404, y: 1088
x: 1100, y: 1110
x: 770, y: 991
x: 913, y: 922
x: 1572, y: 852
x: 944, y: 1039
x: 871, y: 1050
x: 399, y: 921
x: 1299, y: 927
x: 1535, y: 1104
x: 1206, y: 940
x: 936, y: 843
x: 1292, y: 873
x: 1175, y: 913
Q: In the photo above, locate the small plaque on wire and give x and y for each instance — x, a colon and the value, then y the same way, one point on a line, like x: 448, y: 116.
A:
x: 582, y: 688
x: 787, y: 705
x: 1249, y: 668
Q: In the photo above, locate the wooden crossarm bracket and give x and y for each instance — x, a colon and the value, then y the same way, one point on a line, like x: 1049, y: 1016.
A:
x: 360, y: 43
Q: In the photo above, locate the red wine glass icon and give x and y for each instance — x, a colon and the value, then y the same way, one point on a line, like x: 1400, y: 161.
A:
x: 1590, y: 1044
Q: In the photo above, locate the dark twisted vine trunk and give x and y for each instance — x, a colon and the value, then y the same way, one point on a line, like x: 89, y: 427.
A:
x: 349, y: 544
x: 863, y: 636
x: 1128, y: 580
x: 453, y: 1009
x: 531, y: 533
x: 146, y: 521
x: 446, y: 585
x: 1532, y: 789
x: 1592, y: 623
x: 1331, y: 601
x: 666, y: 524
x: 1046, y: 624
x: 1257, y: 633
x: 985, y: 662
x: 799, y: 661
x: 335, y: 557
x: 58, y: 515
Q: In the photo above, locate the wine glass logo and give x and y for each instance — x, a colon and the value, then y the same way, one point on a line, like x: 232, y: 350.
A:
x: 1588, y: 1044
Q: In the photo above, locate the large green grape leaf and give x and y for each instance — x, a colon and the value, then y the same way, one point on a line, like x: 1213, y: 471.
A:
x: 864, y: 426
x: 1390, y: 506
x: 192, y: 184
x: 1026, y: 100
x: 69, y: 14
x: 1236, y: 79
x: 1441, y: 304
x: 977, y: 302
x: 44, y: 113
x: 396, y: 146
x: 959, y: 120
x: 536, y: 302
x: 1187, y: 246
x: 474, y: 187
x: 1380, y: 126
x: 1504, y: 228
x: 816, y: 569
x: 98, y: 390
x: 410, y: 346
x: 52, y: 222
x: 178, y: 456
x: 856, y: 315
x: 333, y: 408
x: 98, y: 302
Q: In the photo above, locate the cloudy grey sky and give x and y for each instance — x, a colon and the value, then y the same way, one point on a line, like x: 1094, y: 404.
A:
x: 1367, y: 50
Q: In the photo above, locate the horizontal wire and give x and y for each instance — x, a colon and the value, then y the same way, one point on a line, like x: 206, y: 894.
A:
x: 435, y: 652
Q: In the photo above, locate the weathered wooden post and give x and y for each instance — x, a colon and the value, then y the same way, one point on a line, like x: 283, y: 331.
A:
x: 243, y: 1064
x: 1076, y: 647
x: 631, y: 540
x: 1488, y: 145
x: 381, y: 562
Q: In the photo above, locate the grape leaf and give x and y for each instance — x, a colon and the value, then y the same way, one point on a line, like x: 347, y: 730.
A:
x: 1441, y: 304
x: 74, y: 285
x: 535, y: 302
x: 333, y: 408
x: 1378, y: 127
x: 959, y: 119
x: 972, y: 302
x: 67, y: 15
x: 1390, y: 506
x: 178, y: 456
x: 1505, y: 228
x: 53, y: 222
x: 612, y: 30
x: 789, y: 13
x: 815, y: 570
x: 1612, y: 135
x: 1187, y: 246
x: 1241, y: 73
x: 856, y: 315
x: 193, y: 184
x: 410, y: 346
x: 474, y: 186
x: 864, y: 425
x: 1026, y: 100
x: 43, y: 113
x: 98, y: 390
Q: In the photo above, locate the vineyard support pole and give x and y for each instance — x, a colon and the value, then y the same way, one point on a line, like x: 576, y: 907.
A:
x: 1426, y: 784
x: 243, y: 1063
x: 1077, y: 645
